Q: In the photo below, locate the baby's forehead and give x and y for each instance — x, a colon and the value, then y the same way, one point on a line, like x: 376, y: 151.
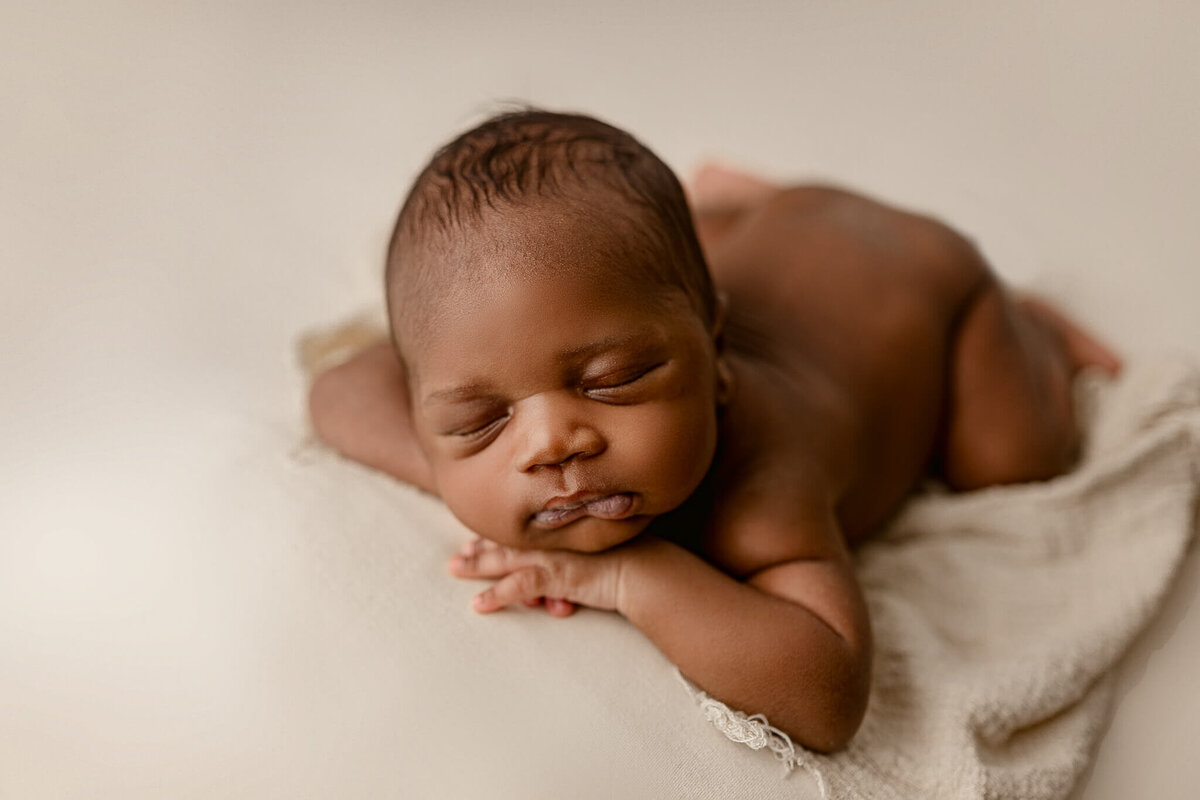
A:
x: 528, y: 243
x: 540, y: 272
x: 559, y: 229
x: 441, y: 272
x: 453, y: 313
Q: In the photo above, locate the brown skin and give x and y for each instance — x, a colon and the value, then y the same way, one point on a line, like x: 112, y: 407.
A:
x: 863, y: 348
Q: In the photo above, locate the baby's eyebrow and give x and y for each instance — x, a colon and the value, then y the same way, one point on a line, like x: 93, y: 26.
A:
x: 458, y: 394
x: 625, y: 339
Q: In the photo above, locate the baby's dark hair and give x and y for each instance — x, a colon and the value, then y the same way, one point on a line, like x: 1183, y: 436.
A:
x: 516, y: 159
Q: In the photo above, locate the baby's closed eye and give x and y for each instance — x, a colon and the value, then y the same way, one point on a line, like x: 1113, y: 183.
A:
x: 471, y: 421
x: 621, y: 384
x: 478, y: 428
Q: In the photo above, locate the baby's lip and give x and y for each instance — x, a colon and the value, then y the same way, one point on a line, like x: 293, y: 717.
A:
x: 573, y: 499
x: 560, y: 511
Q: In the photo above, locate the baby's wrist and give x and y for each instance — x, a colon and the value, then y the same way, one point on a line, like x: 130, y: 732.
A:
x: 639, y: 563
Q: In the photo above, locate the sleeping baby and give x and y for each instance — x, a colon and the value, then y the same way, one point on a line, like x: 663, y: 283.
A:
x: 689, y: 415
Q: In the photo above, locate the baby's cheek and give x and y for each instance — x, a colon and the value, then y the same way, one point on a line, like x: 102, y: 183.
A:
x: 475, y: 495
x: 676, y: 448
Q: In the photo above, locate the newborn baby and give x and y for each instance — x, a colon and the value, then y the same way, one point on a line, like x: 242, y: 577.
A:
x: 689, y: 415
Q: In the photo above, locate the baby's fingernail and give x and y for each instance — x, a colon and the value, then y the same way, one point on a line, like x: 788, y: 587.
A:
x: 479, y: 602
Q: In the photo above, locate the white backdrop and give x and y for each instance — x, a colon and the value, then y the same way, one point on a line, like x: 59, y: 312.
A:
x: 189, y: 606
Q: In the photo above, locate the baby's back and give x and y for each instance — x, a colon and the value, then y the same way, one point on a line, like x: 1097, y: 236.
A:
x: 841, y: 317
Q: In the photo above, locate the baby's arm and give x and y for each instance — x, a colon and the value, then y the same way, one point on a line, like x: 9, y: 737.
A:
x: 360, y: 408
x: 791, y: 642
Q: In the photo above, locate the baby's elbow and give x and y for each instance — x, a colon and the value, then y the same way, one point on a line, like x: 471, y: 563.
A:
x: 842, y: 726
x: 331, y: 410
x: 832, y: 722
x: 838, y: 727
x: 322, y: 406
x: 849, y: 692
x: 827, y: 734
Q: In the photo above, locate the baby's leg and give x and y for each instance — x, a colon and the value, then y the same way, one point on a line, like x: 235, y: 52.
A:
x: 1011, y: 415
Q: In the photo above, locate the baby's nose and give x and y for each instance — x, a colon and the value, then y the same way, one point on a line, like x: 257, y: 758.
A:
x: 555, y: 432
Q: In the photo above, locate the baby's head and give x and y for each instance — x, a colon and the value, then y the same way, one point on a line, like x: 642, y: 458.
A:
x: 557, y: 324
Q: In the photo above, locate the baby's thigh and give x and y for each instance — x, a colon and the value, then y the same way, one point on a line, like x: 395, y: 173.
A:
x: 1010, y: 414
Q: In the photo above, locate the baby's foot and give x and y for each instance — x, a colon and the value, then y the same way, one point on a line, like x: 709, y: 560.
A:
x: 1081, y: 347
x: 713, y: 187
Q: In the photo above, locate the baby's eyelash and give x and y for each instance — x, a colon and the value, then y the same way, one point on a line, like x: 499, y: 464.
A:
x: 479, y: 431
x: 622, y: 379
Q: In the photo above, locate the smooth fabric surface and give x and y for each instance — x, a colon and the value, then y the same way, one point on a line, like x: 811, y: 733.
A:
x: 196, y: 604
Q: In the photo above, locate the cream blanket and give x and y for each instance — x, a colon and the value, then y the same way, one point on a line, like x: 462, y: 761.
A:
x: 999, y: 615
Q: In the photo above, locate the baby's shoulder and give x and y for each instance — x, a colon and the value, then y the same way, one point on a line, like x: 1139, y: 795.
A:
x: 769, y: 515
x: 776, y: 484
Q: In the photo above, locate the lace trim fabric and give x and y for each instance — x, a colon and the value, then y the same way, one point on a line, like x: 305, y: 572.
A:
x: 754, y: 731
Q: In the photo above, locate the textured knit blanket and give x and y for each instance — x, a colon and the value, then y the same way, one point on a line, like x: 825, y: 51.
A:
x: 1000, y: 614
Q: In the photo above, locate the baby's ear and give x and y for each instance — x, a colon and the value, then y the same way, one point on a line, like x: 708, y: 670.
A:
x: 725, y: 382
x: 724, y: 374
x: 720, y: 314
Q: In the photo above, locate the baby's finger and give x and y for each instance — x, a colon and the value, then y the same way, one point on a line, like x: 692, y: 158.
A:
x: 472, y: 547
x: 517, y: 586
x: 490, y: 560
x: 558, y: 607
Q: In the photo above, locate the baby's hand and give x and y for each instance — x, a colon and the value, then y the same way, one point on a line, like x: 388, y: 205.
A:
x: 558, y: 578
